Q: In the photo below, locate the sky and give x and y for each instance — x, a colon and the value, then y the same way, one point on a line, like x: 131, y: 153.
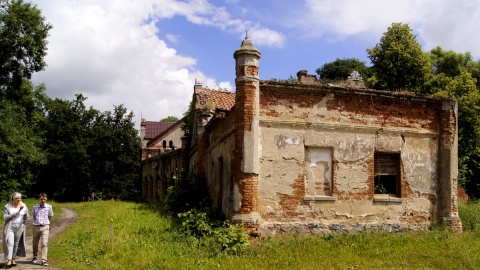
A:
x: 148, y: 54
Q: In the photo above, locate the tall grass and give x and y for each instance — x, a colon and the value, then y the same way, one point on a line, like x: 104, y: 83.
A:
x: 144, y: 239
x: 470, y: 215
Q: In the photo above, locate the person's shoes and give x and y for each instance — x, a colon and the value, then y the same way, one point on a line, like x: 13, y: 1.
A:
x: 44, y: 263
x: 34, y: 260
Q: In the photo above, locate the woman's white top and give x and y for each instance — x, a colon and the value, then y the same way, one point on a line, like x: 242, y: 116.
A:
x: 17, y: 219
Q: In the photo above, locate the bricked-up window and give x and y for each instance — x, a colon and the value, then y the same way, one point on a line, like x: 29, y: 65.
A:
x: 387, y: 173
x: 318, y: 165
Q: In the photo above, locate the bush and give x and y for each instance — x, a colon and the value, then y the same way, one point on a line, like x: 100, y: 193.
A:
x: 189, y: 192
x: 225, y: 237
x: 232, y: 238
x: 195, y: 223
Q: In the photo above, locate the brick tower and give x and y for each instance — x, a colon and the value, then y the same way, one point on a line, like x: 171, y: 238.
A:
x: 246, y: 160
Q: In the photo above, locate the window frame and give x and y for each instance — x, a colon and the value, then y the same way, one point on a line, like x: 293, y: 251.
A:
x: 388, y: 164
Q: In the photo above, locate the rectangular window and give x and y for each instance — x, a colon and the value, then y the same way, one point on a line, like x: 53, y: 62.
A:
x: 387, y: 174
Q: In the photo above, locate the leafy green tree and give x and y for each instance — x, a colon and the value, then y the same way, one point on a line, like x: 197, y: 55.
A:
x: 169, y: 119
x: 21, y: 140
x: 398, y: 60
x: 449, y: 63
x: 452, y: 64
x: 66, y: 176
x: 340, y: 69
x: 115, y: 154
x: 463, y: 88
x: 23, y: 44
x: 89, y: 152
x: 23, y: 34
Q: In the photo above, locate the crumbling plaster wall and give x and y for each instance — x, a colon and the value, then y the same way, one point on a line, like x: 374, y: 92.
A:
x: 157, y: 174
x: 354, y: 127
x: 221, y: 146
x: 223, y: 151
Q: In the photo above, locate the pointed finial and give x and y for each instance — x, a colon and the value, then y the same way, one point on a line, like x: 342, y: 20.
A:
x: 246, y: 34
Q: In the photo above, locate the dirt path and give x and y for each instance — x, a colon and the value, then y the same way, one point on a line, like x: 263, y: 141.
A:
x: 67, y: 217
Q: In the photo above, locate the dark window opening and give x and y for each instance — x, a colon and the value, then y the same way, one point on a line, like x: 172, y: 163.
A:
x: 164, y: 144
x: 387, y: 173
x: 220, y: 184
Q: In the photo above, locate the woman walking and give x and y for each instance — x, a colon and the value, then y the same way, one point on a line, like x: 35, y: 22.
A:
x: 15, y: 213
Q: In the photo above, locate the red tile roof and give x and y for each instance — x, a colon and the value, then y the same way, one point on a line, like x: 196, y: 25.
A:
x: 152, y: 129
x: 223, y: 100
x: 159, y: 135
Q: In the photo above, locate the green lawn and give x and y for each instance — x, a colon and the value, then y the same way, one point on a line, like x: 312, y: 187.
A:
x: 144, y: 239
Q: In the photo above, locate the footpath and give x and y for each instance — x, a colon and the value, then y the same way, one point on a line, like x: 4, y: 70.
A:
x: 67, y: 217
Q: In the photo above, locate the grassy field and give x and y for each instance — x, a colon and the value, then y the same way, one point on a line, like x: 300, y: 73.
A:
x: 144, y: 239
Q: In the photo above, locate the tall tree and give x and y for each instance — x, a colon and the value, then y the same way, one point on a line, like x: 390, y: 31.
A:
x: 23, y: 34
x: 23, y: 44
x: 89, y: 151
x: 452, y: 64
x: 398, y: 60
x: 114, y: 154
x: 66, y: 176
x: 21, y: 139
x: 340, y: 69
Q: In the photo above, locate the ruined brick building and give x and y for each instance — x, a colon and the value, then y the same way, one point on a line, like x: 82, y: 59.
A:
x: 308, y: 157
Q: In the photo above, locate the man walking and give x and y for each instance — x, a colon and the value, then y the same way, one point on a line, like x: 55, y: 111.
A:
x: 42, y: 214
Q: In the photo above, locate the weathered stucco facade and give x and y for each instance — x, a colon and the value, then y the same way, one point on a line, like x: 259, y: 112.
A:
x: 322, y: 149
x: 314, y: 158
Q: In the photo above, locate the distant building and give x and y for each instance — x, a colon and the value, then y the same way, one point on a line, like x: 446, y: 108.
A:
x: 282, y: 156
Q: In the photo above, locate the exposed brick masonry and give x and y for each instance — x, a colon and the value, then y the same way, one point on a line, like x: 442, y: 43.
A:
x: 384, y: 109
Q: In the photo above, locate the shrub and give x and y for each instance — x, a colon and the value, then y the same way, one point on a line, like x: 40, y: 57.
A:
x: 188, y: 192
x: 225, y: 237
x: 195, y: 223
x: 231, y: 237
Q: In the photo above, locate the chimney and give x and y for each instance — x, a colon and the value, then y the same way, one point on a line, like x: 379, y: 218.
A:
x: 143, y: 128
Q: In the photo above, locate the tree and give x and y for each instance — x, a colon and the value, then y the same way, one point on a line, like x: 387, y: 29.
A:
x: 452, y: 64
x: 169, y: 119
x: 23, y: 44
x: 67, y: 137
x: 340, y: 69
x: 469, y: 142
x: 23, y: 34
x: 89, y: 151
x: 115, y: 154
x: 398, y: 60
x: 21, y: 140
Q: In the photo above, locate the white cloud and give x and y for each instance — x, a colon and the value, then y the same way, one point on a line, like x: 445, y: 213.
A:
x: 172, y: 38
x: 110, y: 52
x: 453, y: 25
x: 267, y: 37
x: 201, y: 12
x: 344, y: 18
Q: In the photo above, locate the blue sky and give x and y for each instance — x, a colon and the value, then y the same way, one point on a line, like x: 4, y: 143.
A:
x: 147, y: 54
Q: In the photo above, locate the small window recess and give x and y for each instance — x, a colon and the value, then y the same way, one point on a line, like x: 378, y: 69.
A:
x: 319, y: 174
x: 387, y: 177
